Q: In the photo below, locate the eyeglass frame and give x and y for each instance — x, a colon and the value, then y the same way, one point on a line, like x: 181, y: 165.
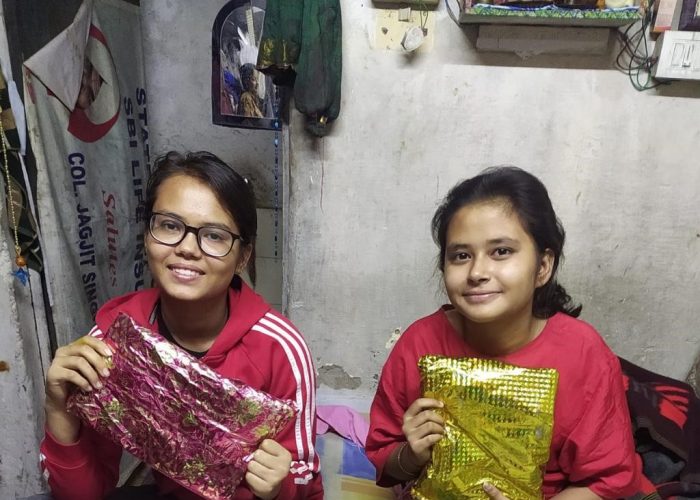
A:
x: 194, y: 230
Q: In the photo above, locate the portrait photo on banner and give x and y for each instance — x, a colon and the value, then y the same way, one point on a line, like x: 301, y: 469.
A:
x: 241, y: 95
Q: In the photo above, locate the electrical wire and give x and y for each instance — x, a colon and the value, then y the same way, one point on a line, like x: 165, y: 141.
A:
x: 423, y: 10
x: 634, y: 58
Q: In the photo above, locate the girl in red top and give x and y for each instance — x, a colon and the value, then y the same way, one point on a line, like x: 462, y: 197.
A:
x: 200, y: 238
x: 500, y: 246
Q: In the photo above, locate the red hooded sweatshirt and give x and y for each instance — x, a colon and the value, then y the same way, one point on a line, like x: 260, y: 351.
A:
x: 258, y: 346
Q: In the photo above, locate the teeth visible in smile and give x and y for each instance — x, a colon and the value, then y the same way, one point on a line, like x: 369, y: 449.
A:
x: 187, y: 273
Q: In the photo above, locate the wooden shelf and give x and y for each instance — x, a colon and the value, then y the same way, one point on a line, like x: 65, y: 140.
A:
x: 606, y: 18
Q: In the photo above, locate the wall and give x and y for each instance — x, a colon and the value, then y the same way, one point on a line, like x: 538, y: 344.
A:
x: 620, y: 165
x: 177, y: 50
x: 24, y: 357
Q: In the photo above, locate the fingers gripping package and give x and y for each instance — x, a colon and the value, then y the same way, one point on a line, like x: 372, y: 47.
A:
x: 498, y: 428
x: 177, y: 414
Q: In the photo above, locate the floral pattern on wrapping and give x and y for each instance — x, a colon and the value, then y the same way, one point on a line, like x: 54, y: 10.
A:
x: 177, y: 414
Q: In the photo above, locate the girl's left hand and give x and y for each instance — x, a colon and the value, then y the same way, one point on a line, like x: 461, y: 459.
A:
x: 268, y: 468
x: 493, y: 492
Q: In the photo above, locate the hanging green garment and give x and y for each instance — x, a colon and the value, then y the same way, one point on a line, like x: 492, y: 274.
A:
x: 301, y: 48
x: 280, y: 43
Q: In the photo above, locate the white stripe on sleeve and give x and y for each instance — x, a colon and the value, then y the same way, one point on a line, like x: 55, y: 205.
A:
x: 299, y: 360
x: 283, y: 327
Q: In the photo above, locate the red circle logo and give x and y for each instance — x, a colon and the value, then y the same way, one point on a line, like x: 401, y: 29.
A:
x: 97, y: 108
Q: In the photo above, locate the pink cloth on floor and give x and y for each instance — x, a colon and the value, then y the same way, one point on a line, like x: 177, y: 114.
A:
x: 344, y: 421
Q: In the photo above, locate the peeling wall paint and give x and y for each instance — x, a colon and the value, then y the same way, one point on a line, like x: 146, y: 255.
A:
x: 393, y: 338
x: 336, y: 377
x: 694, y: 377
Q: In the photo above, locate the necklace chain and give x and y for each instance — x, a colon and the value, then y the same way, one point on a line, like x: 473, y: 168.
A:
x: 10, y: 197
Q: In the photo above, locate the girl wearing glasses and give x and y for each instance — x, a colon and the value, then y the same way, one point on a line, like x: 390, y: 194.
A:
x: 200, y: 237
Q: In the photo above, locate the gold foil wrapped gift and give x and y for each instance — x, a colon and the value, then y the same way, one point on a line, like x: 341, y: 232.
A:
x: 498, y: 428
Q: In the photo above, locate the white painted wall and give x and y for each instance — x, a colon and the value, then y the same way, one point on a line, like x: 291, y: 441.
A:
x: 621, y: 167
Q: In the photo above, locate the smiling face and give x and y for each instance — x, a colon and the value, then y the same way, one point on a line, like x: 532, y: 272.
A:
x: 183, y: 271
x: 492, y: 266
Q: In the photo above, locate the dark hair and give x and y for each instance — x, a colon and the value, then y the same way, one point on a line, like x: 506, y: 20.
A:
x: 528, y: 198
x: 247, y: 73
x: 233, y: 191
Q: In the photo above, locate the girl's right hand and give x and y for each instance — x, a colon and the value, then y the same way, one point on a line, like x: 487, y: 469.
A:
x: 80, y: 363
x: 422, y: 428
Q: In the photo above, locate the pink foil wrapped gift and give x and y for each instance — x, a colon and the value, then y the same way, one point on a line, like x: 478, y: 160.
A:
x: 178, y: 415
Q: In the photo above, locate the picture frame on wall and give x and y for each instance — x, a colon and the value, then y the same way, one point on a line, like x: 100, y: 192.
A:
x: 241, y: 96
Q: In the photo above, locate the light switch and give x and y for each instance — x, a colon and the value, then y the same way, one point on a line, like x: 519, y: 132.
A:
x: 678, y: 56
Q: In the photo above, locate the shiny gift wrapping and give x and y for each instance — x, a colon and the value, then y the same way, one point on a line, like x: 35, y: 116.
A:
x: 498, y: 428
x: 176, y: 414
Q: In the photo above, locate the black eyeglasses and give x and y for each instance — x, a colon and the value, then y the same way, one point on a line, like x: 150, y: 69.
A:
x: 213, y: 241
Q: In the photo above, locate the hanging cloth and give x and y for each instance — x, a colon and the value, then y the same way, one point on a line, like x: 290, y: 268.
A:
x: 301, y: 48
x: 665, y: 416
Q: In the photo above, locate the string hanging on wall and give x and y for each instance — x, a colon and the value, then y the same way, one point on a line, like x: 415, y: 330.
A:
x: 276, y: 200
x: 21, y: 273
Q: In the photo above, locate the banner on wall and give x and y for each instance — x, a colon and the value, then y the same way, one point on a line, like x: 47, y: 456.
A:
x: 88, y: 123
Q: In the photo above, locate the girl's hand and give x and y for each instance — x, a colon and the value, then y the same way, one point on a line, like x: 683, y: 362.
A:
x: 570, y: 493
x: 493, y: 492
x: 422, y: 428
x: 80, y: 363
x: 268, y: 468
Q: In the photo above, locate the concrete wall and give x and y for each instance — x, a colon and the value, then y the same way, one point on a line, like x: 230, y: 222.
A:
x: 177, y: 52
x: 621, y: 167
x: 24, y: 354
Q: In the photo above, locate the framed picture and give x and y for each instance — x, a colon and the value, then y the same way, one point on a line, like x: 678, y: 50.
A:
x: 241, y: 96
